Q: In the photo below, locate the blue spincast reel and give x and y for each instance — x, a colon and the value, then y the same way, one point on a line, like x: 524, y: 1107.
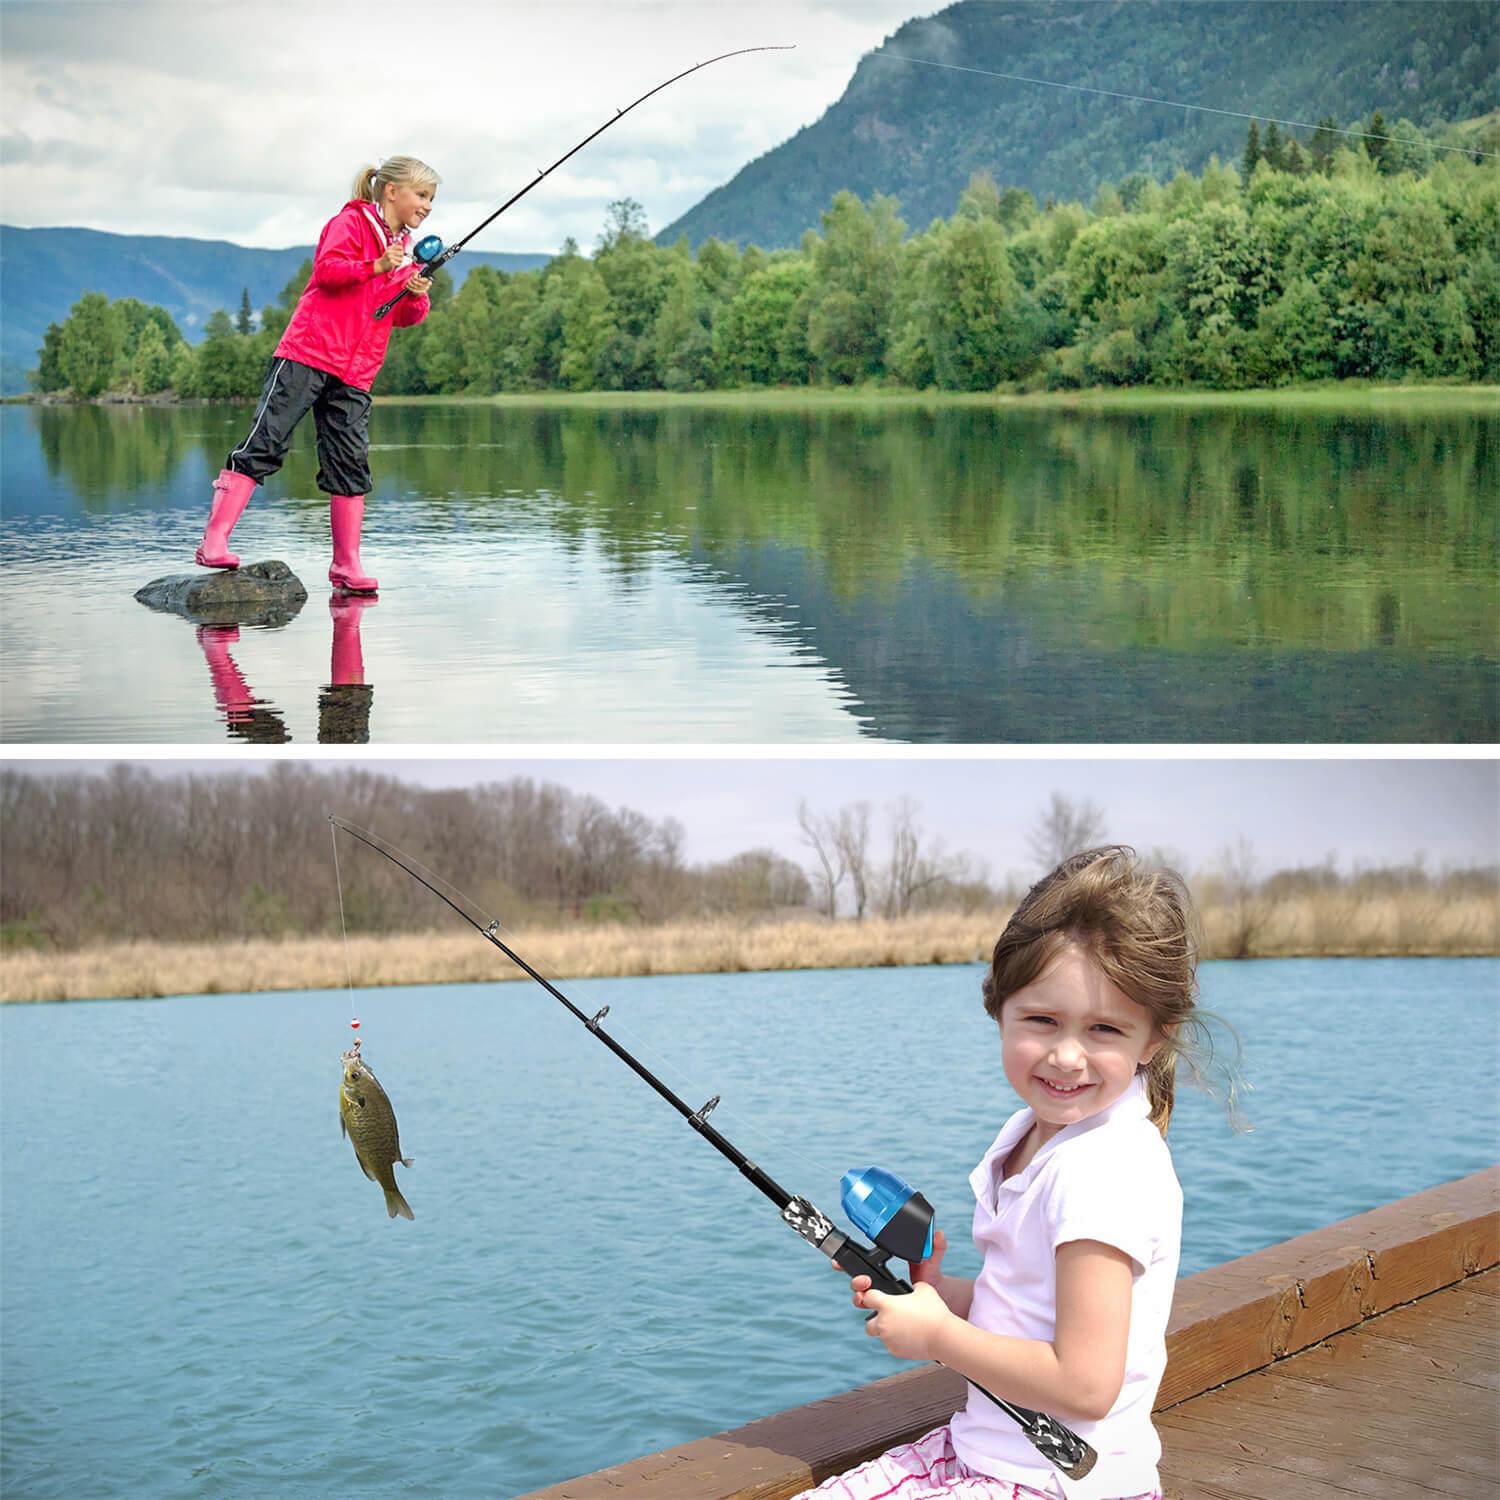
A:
x: 894, y: 1215
x: 428, y: 249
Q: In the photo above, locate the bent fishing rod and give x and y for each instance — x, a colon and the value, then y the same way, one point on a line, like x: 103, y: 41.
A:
x: 430, y: 252
x: 897, y: 1219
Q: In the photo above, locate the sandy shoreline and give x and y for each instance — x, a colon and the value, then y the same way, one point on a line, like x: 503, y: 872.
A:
x: 1409, y: 924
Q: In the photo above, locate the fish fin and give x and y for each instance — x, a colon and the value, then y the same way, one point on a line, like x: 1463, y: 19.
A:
x: 396, y: 1204
x: 363, y: 1168
x: 343, y: 1128
x: 407, y: 1161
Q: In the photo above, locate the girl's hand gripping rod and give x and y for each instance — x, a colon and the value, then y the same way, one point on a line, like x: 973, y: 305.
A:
x: 880, y: 1203
x: 899, y: 1220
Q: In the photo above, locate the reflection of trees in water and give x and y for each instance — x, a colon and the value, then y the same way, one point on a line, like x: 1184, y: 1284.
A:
x: 1189, y: 525
x: 108, y: 454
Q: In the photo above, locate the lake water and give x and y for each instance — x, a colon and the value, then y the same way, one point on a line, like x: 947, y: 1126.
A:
x: 776, y: 573
x: 203, y: 1295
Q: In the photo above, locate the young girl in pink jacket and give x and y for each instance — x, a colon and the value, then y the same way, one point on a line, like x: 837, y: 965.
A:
x: 328, y: 359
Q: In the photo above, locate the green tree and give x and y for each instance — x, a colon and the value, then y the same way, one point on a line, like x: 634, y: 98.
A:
x: 244, y: 324
x: 151, y: 368
x: 966, y: 304
x: 1406, y: 150
x: 287, y: 297
x: 683, y: 354
x: 1251, y: 158
x: 855, y: 265
x: 760, y: 338
x: 1273, y: 152
x: 93, y: 337
x: 588, y: 327
x: 473, y: 319
x: 719, y: 268
x: 635, y: 274
x: 1375, y: 140
x: 1326, y: 141
x: 48, y: 375
x: 515, y: 324
x: 1290, y: 341
x: 227, y: 364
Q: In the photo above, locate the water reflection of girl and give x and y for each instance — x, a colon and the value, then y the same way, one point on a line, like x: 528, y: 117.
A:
x: 343, y: 703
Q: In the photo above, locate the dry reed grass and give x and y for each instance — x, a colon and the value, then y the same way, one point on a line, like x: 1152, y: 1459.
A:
x: 1413, y: 923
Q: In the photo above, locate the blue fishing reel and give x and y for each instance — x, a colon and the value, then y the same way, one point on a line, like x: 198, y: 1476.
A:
x: 894, y: 1215
x: 427, y: 251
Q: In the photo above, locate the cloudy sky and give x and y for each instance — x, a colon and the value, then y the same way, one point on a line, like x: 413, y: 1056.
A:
x: 1292, y: 810
x: 246, y: 120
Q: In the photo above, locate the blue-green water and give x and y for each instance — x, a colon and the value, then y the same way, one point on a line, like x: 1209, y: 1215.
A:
x: 774, y: 574
x: 202, y: 1295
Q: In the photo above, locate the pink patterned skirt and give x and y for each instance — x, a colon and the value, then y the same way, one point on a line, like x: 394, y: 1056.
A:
x: 924, y: 1470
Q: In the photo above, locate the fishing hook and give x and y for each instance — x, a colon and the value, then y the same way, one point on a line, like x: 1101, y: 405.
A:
x: 430, y: 266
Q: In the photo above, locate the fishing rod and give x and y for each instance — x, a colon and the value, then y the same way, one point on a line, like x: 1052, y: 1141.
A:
x: 898, y: 1219
x: 430, y: 252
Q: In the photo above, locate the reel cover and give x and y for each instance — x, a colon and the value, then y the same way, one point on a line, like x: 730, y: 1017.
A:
x: 889, y: 1210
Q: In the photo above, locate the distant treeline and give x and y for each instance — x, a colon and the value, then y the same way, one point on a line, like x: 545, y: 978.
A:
x: 184, y: 857
x: 131, y: 855
x: 1317, y: 261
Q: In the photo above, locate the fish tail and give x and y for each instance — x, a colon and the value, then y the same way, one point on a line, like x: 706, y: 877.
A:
x: 396, y: 1204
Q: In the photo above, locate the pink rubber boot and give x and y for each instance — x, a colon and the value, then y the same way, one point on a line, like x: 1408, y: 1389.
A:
x: 231, y: 496
x: 346, y: 514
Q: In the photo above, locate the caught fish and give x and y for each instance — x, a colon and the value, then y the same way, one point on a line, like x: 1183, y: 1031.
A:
x: 366, y: 1117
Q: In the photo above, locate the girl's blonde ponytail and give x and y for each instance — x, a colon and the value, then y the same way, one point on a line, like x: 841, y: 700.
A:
x: 364, y: 184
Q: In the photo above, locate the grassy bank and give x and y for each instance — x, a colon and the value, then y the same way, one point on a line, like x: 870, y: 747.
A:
x: 1334, y: 395
x: 1410, y: 924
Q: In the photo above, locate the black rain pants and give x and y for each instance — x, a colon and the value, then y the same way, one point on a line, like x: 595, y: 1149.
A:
x: 341, y: 418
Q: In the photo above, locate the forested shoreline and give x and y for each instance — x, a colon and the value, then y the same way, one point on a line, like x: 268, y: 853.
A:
x: 1310, y: 261
x: 135, y: 858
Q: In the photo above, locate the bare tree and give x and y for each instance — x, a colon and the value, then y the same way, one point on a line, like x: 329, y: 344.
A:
x: 819, y: 833
x: 851, y: 838
x: 918, y: 878
x: 1243, y: 895
x: 1065, y: 828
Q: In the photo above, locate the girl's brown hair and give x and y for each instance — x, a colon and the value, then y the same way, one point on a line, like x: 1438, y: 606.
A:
x: 1138, y: 927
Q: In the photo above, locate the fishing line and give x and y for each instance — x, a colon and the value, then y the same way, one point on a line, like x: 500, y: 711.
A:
x: 1207, y: 109
x: 344, y: 927
x: 467, y: 906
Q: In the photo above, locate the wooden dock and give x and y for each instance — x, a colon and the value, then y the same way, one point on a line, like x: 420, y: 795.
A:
x: 1362, y: 1359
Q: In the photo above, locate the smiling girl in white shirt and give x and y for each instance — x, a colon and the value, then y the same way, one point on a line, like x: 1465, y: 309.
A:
x: 1078, y: 1212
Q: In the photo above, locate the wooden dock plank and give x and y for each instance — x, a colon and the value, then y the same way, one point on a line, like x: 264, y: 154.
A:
x: 1402, y: 1405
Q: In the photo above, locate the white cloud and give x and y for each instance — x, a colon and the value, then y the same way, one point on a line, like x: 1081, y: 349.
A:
x: 246, y: 119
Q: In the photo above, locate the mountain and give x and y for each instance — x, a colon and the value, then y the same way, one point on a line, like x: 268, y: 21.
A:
x: 917, y: 132
x: 43, y: 272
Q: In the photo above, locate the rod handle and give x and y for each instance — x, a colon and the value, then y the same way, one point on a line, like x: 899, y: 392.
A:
x: 385, y: 307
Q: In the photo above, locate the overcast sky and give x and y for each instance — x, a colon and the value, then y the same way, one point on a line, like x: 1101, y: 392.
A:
x: 1363, y: 811
x: 246, y: 120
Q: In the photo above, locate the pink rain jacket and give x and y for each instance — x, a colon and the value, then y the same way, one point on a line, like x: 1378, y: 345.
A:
x: 333, y: 327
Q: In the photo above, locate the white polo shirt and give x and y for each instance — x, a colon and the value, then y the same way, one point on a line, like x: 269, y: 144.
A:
x: 1107, y: 1178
